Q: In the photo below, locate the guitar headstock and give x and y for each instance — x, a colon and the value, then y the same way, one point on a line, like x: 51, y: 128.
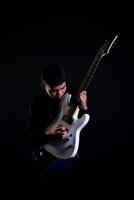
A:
x: 107, y: 46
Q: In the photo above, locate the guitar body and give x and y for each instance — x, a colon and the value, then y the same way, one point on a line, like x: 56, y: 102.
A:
x: 65, y: 149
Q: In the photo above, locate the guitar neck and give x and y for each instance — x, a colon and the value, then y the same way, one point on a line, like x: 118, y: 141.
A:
x: 85, y: 83
x: 87, y: 79
x: 104, y: 50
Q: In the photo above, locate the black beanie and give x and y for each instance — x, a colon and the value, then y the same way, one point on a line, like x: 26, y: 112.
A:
x: 53, y: 74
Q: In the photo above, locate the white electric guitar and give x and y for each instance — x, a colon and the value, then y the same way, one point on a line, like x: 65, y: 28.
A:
x: 68, y: 113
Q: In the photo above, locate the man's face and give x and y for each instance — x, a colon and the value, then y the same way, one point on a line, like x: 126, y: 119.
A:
x: 55, y: 92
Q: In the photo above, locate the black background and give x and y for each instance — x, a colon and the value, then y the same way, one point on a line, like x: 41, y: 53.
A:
x: 70, y: 36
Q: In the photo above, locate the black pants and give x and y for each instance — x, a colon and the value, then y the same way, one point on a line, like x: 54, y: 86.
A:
x: 62, y: 178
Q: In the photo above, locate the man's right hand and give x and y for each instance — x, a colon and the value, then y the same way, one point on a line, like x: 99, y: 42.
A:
x: 60, y: 132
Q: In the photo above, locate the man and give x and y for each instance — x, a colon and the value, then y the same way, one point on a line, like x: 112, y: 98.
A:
x: 43, y: 111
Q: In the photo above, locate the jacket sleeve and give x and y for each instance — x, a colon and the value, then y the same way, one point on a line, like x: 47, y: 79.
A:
x: 36, y: 132
x: 36, y: 127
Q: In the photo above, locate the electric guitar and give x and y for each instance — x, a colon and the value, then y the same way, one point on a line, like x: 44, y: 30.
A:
x: 69, y: 110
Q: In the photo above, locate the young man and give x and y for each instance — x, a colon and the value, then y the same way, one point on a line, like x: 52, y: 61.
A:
x: 44, y: 109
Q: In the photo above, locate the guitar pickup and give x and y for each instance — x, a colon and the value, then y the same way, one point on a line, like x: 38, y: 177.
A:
x: 67, y: 119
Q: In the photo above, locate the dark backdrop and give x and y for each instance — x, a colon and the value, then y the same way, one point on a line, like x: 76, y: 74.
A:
x: 70, y: 37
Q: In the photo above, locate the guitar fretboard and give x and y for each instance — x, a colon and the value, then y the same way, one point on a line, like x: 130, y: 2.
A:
x: 104, y: 50
x: 87, y: 79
